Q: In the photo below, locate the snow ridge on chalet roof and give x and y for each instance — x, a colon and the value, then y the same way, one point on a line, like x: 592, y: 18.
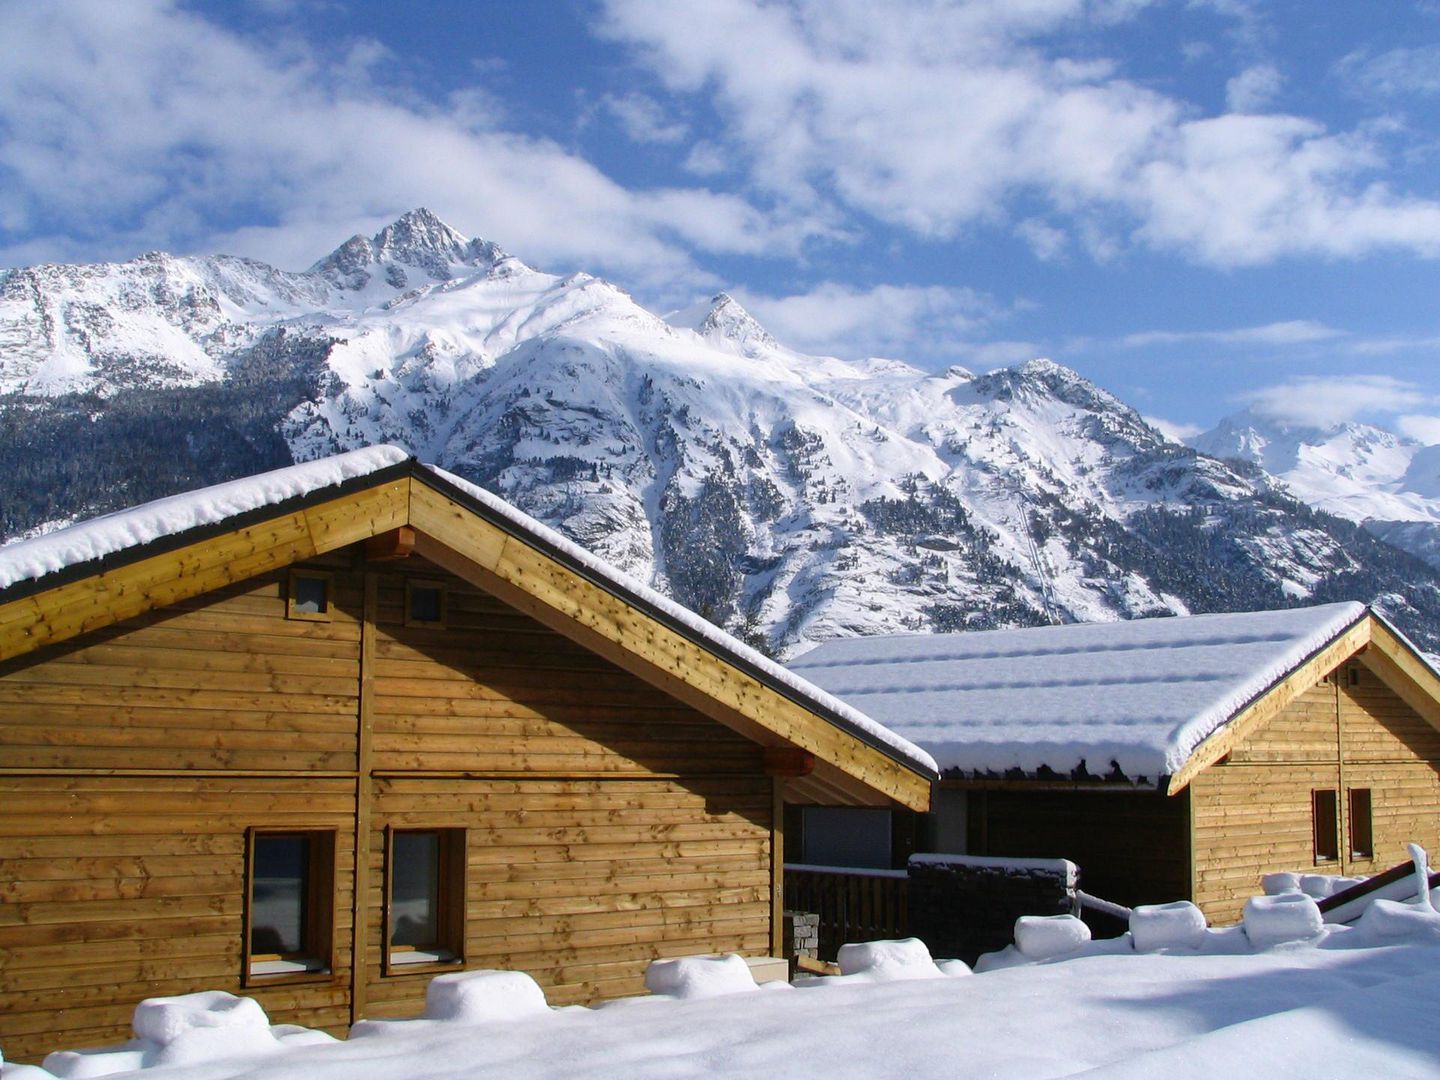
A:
x: 1142, y: 694
x: 102, y: 538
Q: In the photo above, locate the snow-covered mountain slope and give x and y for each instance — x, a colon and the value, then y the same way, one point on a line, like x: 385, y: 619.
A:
x: 1353, y: 470
x: 792, y: 498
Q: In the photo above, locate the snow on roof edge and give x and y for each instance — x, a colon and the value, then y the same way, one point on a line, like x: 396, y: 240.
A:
x: 1189, y: 737
x: 707, y: 631
x: 88, y: 541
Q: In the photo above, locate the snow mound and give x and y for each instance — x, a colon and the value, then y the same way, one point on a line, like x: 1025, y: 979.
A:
x: 189, y: 1029
x: 162, y: 1020
x: 1275, y: 920
x: 1397, y: 920
x: 1319, y: 886
x: 700, y: 976
x: 1040, y: 937
x: 482, y: 997
x: 888, y: 961
x: 1180, y: 925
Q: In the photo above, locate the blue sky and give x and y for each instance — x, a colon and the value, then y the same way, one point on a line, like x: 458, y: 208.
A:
x: 1197, y: 203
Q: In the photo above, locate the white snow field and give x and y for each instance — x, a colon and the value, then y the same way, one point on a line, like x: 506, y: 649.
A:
x: 1357, y: 1001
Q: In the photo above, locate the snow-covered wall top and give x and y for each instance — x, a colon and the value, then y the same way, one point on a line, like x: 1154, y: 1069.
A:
x: 94, y: 539
x: 1142, y: 694
x: 104, y: 536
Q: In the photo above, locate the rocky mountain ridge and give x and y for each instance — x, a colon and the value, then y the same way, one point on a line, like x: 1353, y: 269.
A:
x: 790, y: 498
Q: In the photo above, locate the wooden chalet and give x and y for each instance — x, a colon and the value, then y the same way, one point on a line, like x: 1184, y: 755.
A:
x: 1176, y: 758
x: 319, y: 735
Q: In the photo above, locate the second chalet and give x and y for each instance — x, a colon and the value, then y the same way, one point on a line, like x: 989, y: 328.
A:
x: 1169, y: 758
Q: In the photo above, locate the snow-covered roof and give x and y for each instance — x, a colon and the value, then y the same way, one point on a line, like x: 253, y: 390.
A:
x: 1142, y: 694
x: 93, y: 545
x: 113, y: 534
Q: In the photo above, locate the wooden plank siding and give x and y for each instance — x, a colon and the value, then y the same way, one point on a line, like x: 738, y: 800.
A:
x: 122, y: 887
x: 1253, y: 810
x: 607, y: 823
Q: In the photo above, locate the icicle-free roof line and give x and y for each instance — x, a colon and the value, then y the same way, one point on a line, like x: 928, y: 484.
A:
x: 1142, y: 694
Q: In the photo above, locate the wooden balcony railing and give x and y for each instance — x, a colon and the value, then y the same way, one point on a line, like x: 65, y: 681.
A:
x: 854, y: 904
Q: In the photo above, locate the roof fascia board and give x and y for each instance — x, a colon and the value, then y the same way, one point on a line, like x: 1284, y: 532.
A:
x: 1397, y: 663
x: 559, y: 556
x: 177, y: 541
x: 211, y: 557
x: 632, y: 634
x: 1274, y: 699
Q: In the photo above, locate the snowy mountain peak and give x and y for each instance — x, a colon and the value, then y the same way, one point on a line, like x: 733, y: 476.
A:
x: 417, y: 240
x: 728, y: 322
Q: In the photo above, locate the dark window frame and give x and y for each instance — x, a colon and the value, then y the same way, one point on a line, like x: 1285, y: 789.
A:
x: 1325, y: 825
x: 292, y: 590
x: 411, y: 585
x: 449, y: 950
x: 315, y: 962
x: 1362, y: 838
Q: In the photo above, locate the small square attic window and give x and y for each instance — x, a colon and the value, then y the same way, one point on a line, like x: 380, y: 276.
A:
x: 425, y: 603
x: 309, y: 596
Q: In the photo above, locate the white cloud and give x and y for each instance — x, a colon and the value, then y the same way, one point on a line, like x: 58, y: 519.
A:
x: 938, y: 118
x: 1174, y: 430
x: 141, y: 124
x: 1422, y: 428
x: 907, y: 321
x: 1322, y: 401
x: 1293, y: 332
x: 1253, y: 89
x: 643, y: 120
x: 1396, y: 73
x: 1046, y: 242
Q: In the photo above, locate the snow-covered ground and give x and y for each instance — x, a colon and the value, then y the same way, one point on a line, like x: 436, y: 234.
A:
x: 1347, y: 1002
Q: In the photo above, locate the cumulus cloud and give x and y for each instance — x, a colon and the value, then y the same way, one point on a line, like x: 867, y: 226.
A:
x: 940, y: 118
x: 143, y: 123
x: 1253, y: 89
x: 908, y: 321
x: 1292, y: 332
x: 1323, y: 401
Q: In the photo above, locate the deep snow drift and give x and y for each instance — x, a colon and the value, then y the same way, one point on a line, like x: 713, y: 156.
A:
x: 1332, y: 1001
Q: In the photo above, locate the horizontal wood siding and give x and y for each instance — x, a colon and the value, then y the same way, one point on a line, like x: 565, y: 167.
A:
x: 120, y: 888
x: 495, y: 692
x: 582, y: 883
x: 224, y: 681
x: 1130, y: 846
x: 1251, y: 820
x: 1305, y: 731
x: 1253, y: 813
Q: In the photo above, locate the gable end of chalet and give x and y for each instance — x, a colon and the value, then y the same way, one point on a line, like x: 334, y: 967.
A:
x: 826, y: 754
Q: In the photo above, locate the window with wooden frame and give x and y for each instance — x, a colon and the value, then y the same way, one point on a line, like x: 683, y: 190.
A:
x: 425, y: 603
x: 1362, y: 834
x: 424, y: 897
x: 309, y: 595
x: 1325, y: 811
x: 289, y: 903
